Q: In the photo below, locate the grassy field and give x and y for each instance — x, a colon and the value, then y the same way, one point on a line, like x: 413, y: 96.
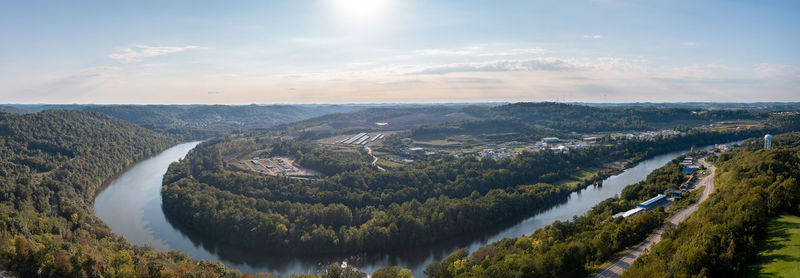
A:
x: 576, y: 179
x: 388, y: 164
x: 780, y: 251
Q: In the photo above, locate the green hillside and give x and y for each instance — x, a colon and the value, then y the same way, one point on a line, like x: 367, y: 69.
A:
x: 722, y: 238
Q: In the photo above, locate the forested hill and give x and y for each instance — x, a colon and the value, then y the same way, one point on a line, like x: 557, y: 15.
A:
x: 358, y: 208
x: 52, y: 164
x: 722, y: 238
x: 214, y: 119
x: 200, y: 121
x: 579, y: 118
x: 390, y: 117
x: 11, y: 109
x: 718, y: 240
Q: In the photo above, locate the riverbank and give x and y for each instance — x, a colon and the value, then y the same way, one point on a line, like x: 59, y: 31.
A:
x: 616, y: 268
x: 149, y: 226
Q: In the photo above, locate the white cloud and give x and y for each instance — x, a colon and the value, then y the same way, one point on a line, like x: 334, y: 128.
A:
x: 83, y: 76
x: 516, y: 51
x: 689, y: 44
x: 592, y: 36
x: 531, y: 64
x: 479, y: 52
x: 695, y: 71
x: 445, y: 52
x: 765, y: 70
x: 130, y: 55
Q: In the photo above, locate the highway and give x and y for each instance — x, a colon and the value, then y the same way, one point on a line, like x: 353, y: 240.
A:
x: 618, y: 267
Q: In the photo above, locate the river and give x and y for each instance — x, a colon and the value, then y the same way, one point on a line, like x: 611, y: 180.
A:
x: 131, y: 206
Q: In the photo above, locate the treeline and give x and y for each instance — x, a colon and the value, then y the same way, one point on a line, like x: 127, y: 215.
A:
x: 366, y: 209
x: 567, y: 249
x: 191, y: 122
x: 515, y: 128
x: 580, y: 118
x: 723, y: 236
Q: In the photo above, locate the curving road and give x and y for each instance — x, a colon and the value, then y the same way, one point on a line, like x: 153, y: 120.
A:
x: 374, y: 159
x: 617, y: 268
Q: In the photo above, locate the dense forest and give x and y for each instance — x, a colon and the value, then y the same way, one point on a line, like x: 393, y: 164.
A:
x: 579, y: 118
x: 572, y: 248
x: 719, y: 240
x: 358, y: 208
x: 187, y: 122
x: 52, y: 164
x: 723, y: 236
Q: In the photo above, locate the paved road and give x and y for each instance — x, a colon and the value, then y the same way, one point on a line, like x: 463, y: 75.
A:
x: 617, y: 268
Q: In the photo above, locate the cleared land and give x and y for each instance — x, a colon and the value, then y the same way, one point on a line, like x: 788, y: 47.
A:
x: 780, y: 251
x: 277, y: 166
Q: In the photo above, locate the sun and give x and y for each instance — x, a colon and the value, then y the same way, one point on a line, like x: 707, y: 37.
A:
x: 361, y: 12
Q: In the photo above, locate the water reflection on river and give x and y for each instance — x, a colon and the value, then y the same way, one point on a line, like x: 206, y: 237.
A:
x: 131, y: 206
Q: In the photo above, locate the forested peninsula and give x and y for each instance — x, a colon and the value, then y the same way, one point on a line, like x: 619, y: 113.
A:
x: 355, y: 207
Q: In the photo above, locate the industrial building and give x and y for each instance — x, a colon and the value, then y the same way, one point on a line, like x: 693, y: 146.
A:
x: 593, y: 139
x: 632, y: 212
x: 551, y: 140
x: 653, y: 202
x: 360, y: 139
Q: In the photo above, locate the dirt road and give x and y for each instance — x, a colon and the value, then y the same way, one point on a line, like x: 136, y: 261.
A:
x: 374, y: 159
x: 617, y: 268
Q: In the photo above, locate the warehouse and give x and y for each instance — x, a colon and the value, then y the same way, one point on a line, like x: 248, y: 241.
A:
x: 653, y: 203
x: 632, y: 212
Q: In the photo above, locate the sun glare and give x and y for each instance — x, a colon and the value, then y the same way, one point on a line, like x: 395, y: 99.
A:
x: 361, y: 12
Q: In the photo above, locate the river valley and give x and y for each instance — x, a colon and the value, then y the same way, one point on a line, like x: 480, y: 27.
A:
x: 131, y: 206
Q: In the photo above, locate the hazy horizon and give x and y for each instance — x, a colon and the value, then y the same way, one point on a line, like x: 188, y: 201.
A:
x: 418, y: 103
x: 392, y: 51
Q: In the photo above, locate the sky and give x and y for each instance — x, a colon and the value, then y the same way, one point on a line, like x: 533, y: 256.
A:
x: 380, y: 51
